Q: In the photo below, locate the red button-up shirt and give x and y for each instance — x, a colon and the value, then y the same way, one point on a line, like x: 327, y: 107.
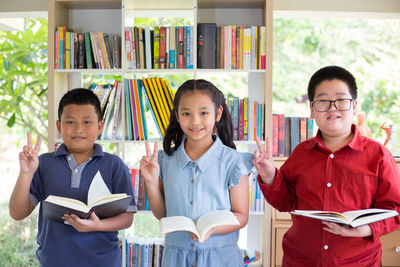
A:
x: 361, y: 175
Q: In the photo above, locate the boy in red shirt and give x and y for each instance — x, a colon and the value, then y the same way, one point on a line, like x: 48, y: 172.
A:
x: 337, y: 170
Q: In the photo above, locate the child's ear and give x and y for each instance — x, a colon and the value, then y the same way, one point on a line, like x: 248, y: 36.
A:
x: 219, y: 113
x: 354, y: 107
x: 311, y: 111
x: 58, y: 124
x: 100, y: 128
x: 177, y: 116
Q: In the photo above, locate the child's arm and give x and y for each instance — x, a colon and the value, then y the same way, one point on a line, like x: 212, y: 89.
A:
x: 20, y: 205
x: 151, y: 172
x: 110, y: 224
x: 264, y: 162
x: 239, y: 196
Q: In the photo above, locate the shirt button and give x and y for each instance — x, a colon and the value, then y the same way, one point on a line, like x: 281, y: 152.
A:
x: 76, y: 171
x: 326, y: 247
x: 191, y: 202
x: 328, y: 184
x: 194, y: 163
x: 192, y: 181
x: 192, y: 245
x: 69, y: 158
x: 331, y: 156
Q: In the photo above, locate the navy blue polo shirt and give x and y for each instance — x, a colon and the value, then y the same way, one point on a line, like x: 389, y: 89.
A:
x: 58, y: 174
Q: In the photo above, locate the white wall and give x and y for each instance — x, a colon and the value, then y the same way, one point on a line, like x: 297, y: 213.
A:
x: 22, y: 5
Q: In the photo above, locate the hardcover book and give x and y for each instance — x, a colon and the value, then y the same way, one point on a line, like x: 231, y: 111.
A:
x: 352, y: 218
x: 100, y: 201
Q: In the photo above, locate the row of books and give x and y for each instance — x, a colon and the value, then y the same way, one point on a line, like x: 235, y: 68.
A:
x: 161, y: 47
x: 143, y: 252
x: 247, y: 118
x: 110, y: 100
x: 231, y: 46
x: 288, y: 132
x: 256, y: 197
x: 139, y: 189
x: 89, y: 50
x: 158, y: 96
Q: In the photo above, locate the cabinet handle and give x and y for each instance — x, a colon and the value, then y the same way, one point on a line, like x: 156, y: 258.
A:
x: 397, y: 249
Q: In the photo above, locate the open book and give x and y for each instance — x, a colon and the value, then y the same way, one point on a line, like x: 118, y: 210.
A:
x: 352, y: 218
x: 100, y: 200
x: 202, y: 226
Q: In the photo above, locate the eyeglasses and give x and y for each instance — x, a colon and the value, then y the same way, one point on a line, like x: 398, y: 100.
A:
x: 341, y: 104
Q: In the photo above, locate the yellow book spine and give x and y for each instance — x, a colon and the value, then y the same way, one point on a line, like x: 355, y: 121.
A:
x: 167, y: 93
x: 164, y: 99
x: 158, y: 101
x: 153, y: 106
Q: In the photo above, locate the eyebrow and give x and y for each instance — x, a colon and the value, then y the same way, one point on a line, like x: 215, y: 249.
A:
x: 324, y: 94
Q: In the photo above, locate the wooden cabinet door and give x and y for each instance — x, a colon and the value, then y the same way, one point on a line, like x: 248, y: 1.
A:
x: 391, y: 249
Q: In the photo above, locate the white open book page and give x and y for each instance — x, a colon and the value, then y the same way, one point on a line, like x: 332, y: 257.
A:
x: 177, y: 223
x: 213, y: 219
x: 97, y: 189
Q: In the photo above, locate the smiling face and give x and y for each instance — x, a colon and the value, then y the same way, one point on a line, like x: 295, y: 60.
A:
x: 333, y: 123
x: 79, y: 128
x: 197, y: 116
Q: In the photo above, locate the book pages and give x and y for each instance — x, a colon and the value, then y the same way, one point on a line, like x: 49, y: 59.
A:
x: 97, y: 188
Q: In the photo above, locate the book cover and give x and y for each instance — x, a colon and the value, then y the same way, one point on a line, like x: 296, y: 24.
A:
x: 68, y: 50
x: 352, y: 218
x: 172, y: 46
x: 303, y: 129
x: 128, y: 110
x: 158, y: 102
x: 156, y: 48
x: 310, y: 128
x: 246, y: 118
x: 142, y: 108
x: 287, y: 146
x: 88, y: 52
x: 163, y: 54
x: 141, y: 47
x: 135, y: 33
x: 201, y: 226
x: 294, y: 132
x: 137, y: 110
x: 281, y: 135
x: 100, y: 201
x: 95, y: 55
x: 275, y: 133
x: 206, y: 33
x: 151, y: 103
x: 133, y: 109
x: 81, y: 53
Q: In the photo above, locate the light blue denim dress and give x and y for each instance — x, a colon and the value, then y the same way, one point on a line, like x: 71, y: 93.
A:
x: 193, y: 188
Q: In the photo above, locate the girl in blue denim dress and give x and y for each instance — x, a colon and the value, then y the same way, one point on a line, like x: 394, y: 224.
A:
x: 199, y: 171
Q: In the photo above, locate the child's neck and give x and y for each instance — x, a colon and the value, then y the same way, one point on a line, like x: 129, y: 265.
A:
x: 195, y: 149
x: 81, y: 157
x: 334, y: 143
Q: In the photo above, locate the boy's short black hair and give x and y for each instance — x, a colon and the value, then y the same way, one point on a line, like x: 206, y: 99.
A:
x: 80, y: 96
x: 329, y: 73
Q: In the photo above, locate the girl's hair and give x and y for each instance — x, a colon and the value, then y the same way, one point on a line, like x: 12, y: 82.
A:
x: 174, y: 134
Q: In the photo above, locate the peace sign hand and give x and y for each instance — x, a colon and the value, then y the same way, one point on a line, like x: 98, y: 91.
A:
x: 264, y: 162
x: 28, y: 158
x: 149, y: 164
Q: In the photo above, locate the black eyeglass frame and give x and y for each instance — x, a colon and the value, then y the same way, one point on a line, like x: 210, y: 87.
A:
x: 330, y: 104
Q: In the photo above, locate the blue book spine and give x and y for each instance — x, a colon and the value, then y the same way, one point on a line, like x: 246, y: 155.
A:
x: 188, y: 48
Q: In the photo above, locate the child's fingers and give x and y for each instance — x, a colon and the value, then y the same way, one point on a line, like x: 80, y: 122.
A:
x: 38, y: 143
x: 259, y: 145
x: 155, y: 152
x: 29, y: 140
x: 148, y: 152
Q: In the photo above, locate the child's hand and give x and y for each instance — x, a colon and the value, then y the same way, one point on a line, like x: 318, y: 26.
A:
x: 360, y: 231
x: 82, y: 225
x: 28, y: 158
x: 149, y: 164
x: 264, y: 162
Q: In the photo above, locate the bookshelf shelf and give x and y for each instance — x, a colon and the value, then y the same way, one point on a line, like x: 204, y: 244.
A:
x: 88, y: 16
